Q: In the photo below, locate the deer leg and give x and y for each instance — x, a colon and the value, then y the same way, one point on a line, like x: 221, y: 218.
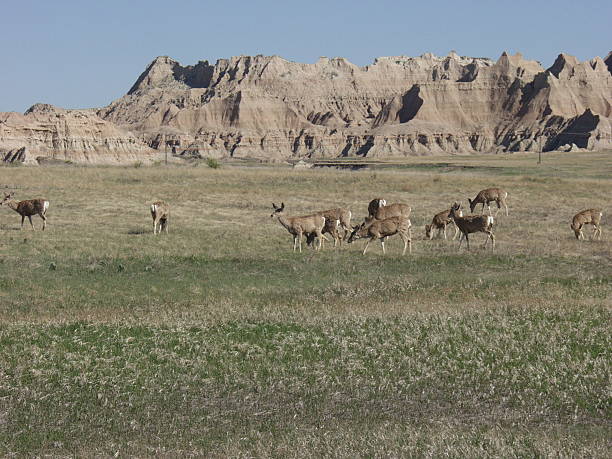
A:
x: 22, y: 219
x: 44, y: 219
x: 456, y: 232
x: 406, y: 242
x: 31, y: 224
x: 366, y: 246
x: 444, y: 227
x: 467, y: 240
x: 300, y: 241
x: 382, y: 243
x: 506, y: 206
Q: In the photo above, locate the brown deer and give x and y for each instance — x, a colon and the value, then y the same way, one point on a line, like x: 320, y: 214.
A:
x: 382, y: 229
x: 440, y: 222
x: 28, y: 208
x: 374, y: 205
x: 472, y: 224
x: 392, y: 210
x: 489, y: 195
x: 587, y: 217
x: 334, y: 219
x: 160, y: 212
x: 298, y: 226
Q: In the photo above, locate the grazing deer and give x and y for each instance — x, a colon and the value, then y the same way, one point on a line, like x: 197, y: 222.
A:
x: 587, y: 217
x: 297, y: 226
x: 27, y: 208
x: 382, y: 229
x: 440, y: 222
x: 374, y: 205
x: 472, y: 224
x: 160, y: 212
x: 486, y: 196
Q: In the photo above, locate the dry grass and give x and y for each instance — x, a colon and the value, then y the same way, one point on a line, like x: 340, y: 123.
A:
x: 218, y: 339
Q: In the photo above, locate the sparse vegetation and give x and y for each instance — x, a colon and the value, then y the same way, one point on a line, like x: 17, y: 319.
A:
x: 213, y: 163
x: 219, y: 340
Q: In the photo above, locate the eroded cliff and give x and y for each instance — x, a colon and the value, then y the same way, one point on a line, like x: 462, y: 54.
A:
x: 268, y: 107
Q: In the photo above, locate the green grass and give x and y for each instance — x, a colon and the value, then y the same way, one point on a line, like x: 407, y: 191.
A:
x: 217, y: 339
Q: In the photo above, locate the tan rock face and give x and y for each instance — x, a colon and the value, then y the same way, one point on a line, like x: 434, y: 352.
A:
x: 47, y: 132
x: 267, y: 107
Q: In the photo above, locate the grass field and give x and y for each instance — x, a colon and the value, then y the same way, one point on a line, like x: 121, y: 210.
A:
x: 217, y: 339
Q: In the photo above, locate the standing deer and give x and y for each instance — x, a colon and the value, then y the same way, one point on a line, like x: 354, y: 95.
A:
x: 392, y: 210
x: 334, y: 219
x: 27, y: 208
x: 472, y: 224
x: 440, y: 222
x: 160, y: 212
x: 587, y: 217
x: 486, y: 196
x: 374, y: 205
x: 382, y: 229
x: 297, y: 226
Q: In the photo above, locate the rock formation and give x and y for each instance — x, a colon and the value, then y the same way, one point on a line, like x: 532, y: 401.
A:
x: 270, y: 108
x: 46, y: 132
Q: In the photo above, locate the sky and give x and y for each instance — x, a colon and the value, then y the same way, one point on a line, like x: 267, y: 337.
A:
x: 82, y: 54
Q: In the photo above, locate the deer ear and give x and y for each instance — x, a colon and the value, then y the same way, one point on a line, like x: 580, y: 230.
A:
x: 274, y: 206
x: 282, y: 205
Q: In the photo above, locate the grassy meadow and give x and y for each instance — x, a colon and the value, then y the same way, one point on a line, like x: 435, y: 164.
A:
x: 217, y: 339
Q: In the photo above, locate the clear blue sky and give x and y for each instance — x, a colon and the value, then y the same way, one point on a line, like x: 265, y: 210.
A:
x: 78, y: 54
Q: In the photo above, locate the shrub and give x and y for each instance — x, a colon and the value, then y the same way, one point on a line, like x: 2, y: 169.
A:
x: 213, y: 163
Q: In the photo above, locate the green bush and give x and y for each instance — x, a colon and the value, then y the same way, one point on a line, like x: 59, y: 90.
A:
x: 213, y: 163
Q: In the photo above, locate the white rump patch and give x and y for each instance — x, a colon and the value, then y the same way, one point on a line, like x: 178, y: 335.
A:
x: 45, y: 206
x: 153, y: 208
x: 490, y: 220
x: 382, y: 203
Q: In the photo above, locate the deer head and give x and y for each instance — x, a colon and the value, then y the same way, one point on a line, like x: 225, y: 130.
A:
x: 7, y: 197
x: 277, y: 210
x: 428, y: 232
x: 472, y: 204
x: 455, y: 211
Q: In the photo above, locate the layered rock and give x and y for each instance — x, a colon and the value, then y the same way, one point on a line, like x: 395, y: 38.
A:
x: 48, y: 132
x: 267, y: 107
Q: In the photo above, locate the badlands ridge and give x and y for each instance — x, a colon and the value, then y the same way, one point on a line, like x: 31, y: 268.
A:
x: 273, y: 109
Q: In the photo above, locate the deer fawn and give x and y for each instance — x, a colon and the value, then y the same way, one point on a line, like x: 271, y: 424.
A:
x: 297, y: 226
x: 334, y: 219
x: 440, y: 222
x: 382, y: 229
x: 587, y: 217
x: 28, y: 208
x: 160, y: 212
x: 486, y: 196
x: 472, y: 224
x: 374, y: 205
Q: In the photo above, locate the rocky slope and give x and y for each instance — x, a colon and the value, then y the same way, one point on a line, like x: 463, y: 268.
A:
x: 267, y: 107
x: 46, y: 132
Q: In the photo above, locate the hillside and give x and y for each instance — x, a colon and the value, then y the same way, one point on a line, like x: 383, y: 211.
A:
x: 269, y: 108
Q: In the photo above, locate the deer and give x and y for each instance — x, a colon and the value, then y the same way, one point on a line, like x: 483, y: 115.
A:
x: 374, y: 205
x: 486, y: 196
x: 27, y: 208
x: 298, y: 226
x: 587, y: 217
x: 391, y: 210
x: 440, y: 221
x: 382, y: 229
x: 334, y: 219
x: 160, y: 212
x: 472, y: 224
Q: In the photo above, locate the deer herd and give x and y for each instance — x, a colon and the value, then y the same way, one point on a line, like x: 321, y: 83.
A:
x: 383, y: 221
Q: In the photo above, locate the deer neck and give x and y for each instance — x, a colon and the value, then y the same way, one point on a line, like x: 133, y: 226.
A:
x: 284, y: 221
x: 12, y: 204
